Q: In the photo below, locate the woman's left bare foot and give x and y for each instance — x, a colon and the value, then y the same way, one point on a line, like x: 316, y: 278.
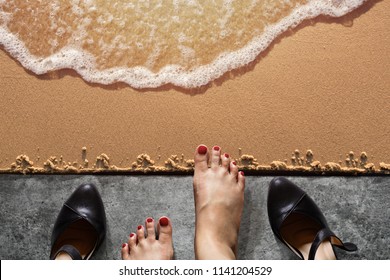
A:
x: 149, y: 243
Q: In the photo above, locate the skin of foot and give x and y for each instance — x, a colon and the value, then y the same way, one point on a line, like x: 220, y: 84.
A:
x: 63, y: 257
x: 150, y: 242
x: 219, y: 200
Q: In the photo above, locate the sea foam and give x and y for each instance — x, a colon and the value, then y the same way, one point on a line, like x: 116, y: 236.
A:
x: 146, y: 44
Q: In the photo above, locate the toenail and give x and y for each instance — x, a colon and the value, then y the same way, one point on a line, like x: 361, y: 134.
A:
x: 242, y: 173
x: 216, y: 148
x: 149, y: 220
x: 202, y: 150
x: 139, y: 227
x: 164, y: 221
x: 227, y: 156
x: 235, y: 163
x: 123, y: 245
x: 131, y: 235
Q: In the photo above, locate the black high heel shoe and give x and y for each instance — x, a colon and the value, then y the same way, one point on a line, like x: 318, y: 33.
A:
x: 80, y: 227
x: 298, y: 222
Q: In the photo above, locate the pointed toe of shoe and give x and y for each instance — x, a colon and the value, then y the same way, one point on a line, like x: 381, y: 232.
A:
x: 87, y: 202
x: 283, y: 190
x: 283, y: 195
x: 84, y: 204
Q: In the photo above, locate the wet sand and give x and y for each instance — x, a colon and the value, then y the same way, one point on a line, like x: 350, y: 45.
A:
x: 324, y: 87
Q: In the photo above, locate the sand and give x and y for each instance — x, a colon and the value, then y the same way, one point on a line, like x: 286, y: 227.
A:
x: 323, y: 87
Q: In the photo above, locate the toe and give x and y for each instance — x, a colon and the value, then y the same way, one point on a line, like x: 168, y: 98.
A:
x: 150, y: 230
x: 140, y: 233
x: 215, y: 157
x: 125, y: 251
x: 164, y: 230
x: 241, y: 180
x: 201, y: 158
x: 234, y: 169
x: 225, y: 159
x: 132, y: 241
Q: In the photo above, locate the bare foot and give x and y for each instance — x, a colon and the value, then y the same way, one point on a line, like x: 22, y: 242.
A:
x: 219, y: 200
x: 149, y: 243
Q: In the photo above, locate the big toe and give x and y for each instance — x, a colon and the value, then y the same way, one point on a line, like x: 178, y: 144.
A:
x: 201, y: 158
x: 165, y: 230
x: 165, y: 237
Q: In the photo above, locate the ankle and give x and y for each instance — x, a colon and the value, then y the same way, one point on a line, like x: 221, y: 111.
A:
x: 209, y: 246
x: 214, y: 251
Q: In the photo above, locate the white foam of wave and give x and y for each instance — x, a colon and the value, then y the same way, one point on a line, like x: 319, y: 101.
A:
x: 141, y: 77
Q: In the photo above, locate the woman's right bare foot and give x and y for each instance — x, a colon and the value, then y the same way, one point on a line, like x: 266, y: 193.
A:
x: 219, y: 201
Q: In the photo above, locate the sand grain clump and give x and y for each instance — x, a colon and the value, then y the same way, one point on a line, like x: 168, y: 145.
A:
x: 179, y: 164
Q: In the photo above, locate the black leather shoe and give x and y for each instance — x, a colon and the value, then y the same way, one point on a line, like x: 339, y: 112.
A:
x: 80, y: 227
x: 297, y: 222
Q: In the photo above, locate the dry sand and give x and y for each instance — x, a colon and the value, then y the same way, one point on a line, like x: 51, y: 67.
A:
x: 325, y: 86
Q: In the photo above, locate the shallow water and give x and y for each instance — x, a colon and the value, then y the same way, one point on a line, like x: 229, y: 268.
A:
x: 151, y: 42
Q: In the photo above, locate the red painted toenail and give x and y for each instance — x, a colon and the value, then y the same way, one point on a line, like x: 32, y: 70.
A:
x: 216, y: 148
x: 164, y: 221
x: 139, y: 227
x: 149, y: 220
x: 123, y: 245
x: 242, y: 173
x: 227, y: 156
x: 202, y: 150
x: 235, y: 163
x: 131, y: 235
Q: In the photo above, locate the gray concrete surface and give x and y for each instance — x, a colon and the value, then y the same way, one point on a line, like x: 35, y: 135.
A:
x: 357, y: 209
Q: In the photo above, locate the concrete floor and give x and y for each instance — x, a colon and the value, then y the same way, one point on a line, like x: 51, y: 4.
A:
x: 357, y: 209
